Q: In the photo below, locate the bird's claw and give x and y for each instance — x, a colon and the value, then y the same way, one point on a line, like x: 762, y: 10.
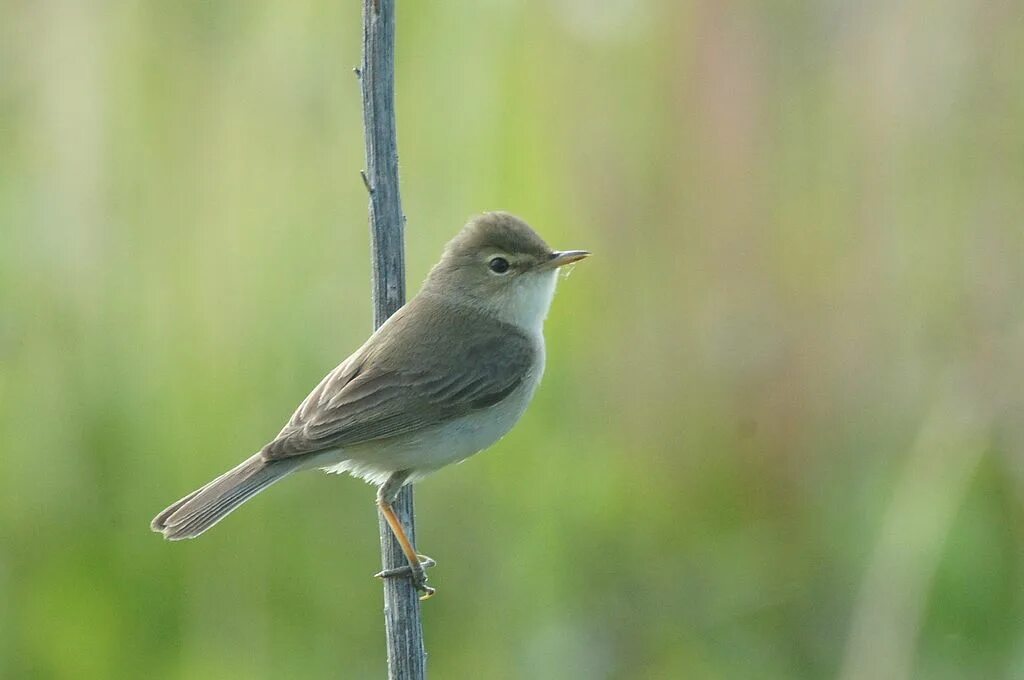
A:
x: 407, y: 569
x: 415, y: 573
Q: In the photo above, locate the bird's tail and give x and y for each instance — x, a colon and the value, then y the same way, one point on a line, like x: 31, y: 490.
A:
x: 204, y: 507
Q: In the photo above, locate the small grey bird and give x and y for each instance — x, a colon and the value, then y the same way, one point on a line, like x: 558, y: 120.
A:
x: 445, y: 377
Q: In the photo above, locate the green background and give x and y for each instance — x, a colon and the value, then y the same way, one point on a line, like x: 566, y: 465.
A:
x: 780, y: 434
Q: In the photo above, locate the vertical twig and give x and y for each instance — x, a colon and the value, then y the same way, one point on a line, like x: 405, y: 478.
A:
x: 406, y: 655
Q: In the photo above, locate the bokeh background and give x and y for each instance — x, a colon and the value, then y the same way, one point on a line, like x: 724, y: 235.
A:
x: 781, y: 432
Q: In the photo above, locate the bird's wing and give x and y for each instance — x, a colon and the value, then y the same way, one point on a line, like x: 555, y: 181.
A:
x: 379, y: 393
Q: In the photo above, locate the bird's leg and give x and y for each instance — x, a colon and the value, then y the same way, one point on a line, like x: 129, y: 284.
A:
x: 386, y: 496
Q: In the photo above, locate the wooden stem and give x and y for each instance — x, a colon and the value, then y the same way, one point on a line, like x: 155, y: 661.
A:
x: 404, y: 628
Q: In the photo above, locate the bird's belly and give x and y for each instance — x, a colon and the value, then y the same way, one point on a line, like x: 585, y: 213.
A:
x: 432, y: 448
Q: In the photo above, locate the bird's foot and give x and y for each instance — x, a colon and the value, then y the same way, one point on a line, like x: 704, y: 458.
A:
x: 416, y: 573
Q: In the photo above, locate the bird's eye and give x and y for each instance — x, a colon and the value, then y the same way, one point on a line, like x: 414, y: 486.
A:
x: 498, y: 265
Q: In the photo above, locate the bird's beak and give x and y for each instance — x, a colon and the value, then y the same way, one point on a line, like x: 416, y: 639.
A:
x: 561, y: 258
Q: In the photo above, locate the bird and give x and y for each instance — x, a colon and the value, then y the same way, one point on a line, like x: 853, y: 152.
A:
x: 446, y: 376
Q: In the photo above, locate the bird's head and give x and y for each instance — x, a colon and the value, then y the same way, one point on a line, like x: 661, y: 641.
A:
x: 500, y: 265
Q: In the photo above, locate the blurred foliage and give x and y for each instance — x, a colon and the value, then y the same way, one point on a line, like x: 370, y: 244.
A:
x: 780, y: 435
